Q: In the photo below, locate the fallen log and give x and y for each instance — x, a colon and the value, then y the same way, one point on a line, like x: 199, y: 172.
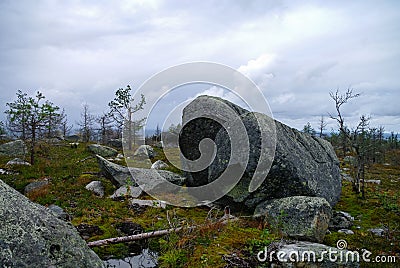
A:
x: 123, y: 239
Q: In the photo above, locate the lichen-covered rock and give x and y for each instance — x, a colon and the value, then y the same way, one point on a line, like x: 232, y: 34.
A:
x: 302, y: 164
x: 31, y: 236
x: 103, y: 151
x: 13, y: 148
x: 299, y: 217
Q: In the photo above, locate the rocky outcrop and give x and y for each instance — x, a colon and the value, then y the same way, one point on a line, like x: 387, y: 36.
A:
x: 13, y: 148
x: 298, y: 217
x: 103, y: 151
x: 121, y: 175
x: 31, y: 236
x: 96, y: 187
x: 302, y: 165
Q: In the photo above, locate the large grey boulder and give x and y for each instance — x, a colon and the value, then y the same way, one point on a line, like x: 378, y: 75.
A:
x: 13, y: 148
x: 103, y: 151
x: 298, y: 217
x: 302, y: 164
x: 31, y: 236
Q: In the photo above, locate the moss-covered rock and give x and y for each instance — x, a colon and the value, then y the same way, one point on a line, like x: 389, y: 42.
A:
x: 299, y: 217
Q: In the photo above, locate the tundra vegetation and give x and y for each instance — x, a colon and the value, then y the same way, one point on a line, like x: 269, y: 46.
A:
x: 212, y: 243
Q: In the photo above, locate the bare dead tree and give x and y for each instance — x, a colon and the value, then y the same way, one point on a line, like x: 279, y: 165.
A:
x: 322, y: 126
x: 339, y: 100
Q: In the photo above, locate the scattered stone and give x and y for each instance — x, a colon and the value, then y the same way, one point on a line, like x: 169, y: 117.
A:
x: 129, y: 228
x: 59, y: 212
x: 302, y: 165
x: 341, y: 220
x: 17, y: 162
x: 96, y: 187
x: 120, y: 156
x: 346, y: 231
x: 31, y: 236
x: 298, y: 217
x: 33, y: 186
x: 103, y: 151
x: 126, y: 191
x: 144, y: 151
x: 159, y: 165
x: 373, y: 181
x: 378, y: 231
x: 148, y: 203
x: 287, y: 254
x: 13, y: 148
x: 87, y: 230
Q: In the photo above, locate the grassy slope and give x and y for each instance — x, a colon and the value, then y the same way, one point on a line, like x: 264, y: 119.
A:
x: 206, y: 246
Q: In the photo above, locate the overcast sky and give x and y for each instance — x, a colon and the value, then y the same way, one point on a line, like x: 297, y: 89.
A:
x: 79, y: 52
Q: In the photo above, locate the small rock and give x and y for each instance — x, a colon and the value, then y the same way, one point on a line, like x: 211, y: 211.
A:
x: 17, y: 162
x: 148, y: 203
x: 59, y: 212
x: 96, y: 187
x: 13, y: 148
x: 35, y: 185
x: 126, y: 191
x: 346, y: 231
x: 120, y: 156
x: 159, y: 165
x: 144, y: 151
x: 377, y: 231
x: 373, y: 181
x: 340, y: 220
